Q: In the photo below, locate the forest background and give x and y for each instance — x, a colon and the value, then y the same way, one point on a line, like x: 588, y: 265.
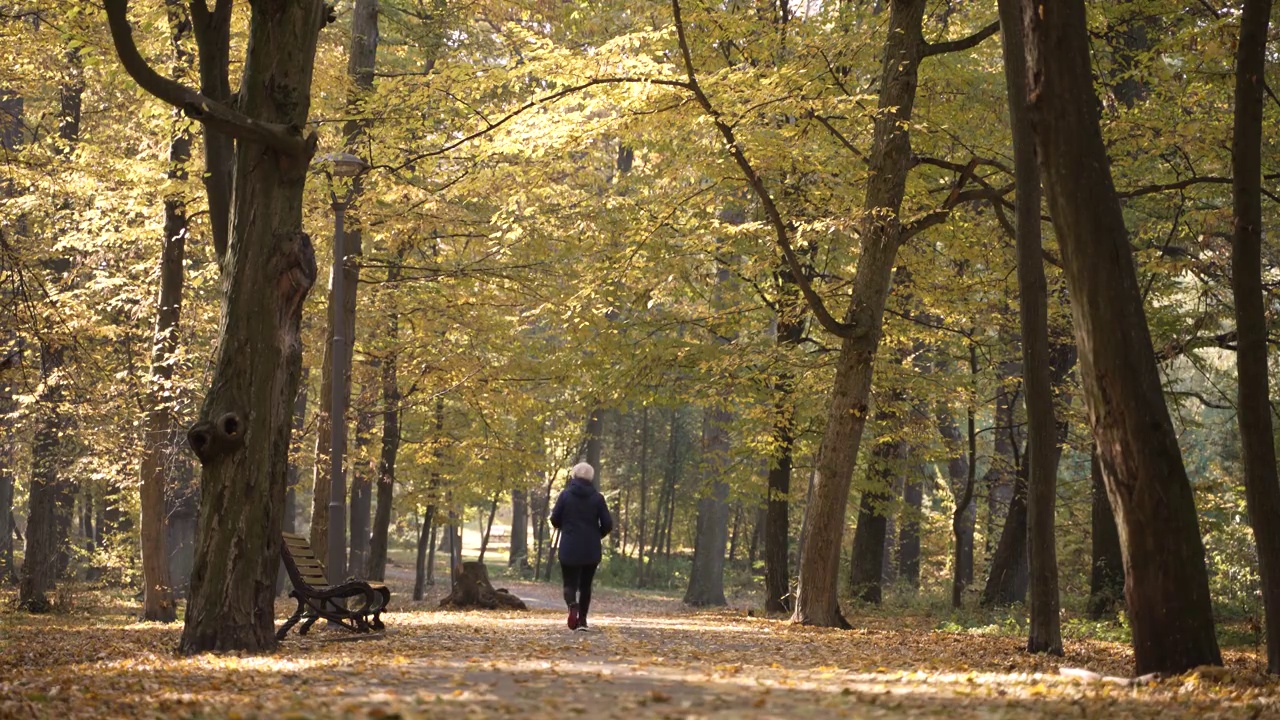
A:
x: 556, y: 254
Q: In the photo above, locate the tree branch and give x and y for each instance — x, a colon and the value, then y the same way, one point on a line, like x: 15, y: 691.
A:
x: 957, y: 195
x: 1179, y: 185
x: 285, y: 140
x: 931, y: 49
x: 780, y: 227
x: 826, y: 123
x: 494, y: 125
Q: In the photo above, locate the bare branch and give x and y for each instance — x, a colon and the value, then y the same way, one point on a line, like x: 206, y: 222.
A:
x: 931, y: 49
x: 780, y: 227
x: 283, y: 139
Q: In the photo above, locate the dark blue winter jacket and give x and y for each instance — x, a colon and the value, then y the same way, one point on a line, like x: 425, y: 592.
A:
x: 583, y: 518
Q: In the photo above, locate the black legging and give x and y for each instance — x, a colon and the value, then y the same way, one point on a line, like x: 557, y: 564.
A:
x: 577, y: 585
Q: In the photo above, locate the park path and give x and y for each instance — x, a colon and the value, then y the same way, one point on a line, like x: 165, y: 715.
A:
x: 650, y: 657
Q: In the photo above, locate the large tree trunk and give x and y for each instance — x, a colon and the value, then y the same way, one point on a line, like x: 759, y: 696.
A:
x: 1045, y: 632
x: 1261, y: 483
x: 377, y: 567
x: 242, y: 438
x: 881, y: 235
x: 1166, y: 583
x: 706, y: 577
x: 1106, y: 576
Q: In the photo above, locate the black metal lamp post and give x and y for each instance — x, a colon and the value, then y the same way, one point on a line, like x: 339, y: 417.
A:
x: 346, y: 165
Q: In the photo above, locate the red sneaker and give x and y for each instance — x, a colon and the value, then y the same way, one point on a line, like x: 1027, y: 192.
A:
x: 573, y: 616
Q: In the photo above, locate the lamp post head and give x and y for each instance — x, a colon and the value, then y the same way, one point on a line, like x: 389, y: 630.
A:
x: 340, y: 164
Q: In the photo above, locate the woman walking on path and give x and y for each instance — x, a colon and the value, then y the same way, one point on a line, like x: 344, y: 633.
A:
x: 583, y: 519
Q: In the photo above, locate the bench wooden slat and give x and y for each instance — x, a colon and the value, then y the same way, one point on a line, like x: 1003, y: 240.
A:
x: 309, y: 577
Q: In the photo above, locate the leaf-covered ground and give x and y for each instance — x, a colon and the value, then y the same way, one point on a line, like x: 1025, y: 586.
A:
x: 649, y: 657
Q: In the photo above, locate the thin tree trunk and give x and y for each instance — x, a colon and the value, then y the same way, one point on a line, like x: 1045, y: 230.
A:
x: 377, y: 567
x: 361, y: 510
x: 1010, y: 558
x: 733, y: 531
x: 360, y: 65
x: 909, y: 528
x: 1044, y: 631
x: 595, y: 442
x: 321, y: 472
x: 1106, y: 577
x: 425, y: 554
x: 48, y: 493
x: 644, y: 493
x: 431, y: 555
x: 1166, y: 583
x: 706, y: 577
x: 290, y: 522
x: 11, y: 113
x: 866, y: 562
x: 488, y: 527
x: 518, y: 553
x: 777, y: 531
x: 961, y: 479
x: 9, y: 361
x: 1261, y: 482
x: 881, y: 235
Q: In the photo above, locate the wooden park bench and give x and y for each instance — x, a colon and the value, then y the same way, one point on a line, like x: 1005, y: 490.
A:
x: 318, y: 599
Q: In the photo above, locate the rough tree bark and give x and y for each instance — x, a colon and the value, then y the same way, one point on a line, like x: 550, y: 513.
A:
x: 1044, y: 631
x: 1166, y: 583
x: 472, y: 589
x: 1261, y: 482
x: 242, y: 438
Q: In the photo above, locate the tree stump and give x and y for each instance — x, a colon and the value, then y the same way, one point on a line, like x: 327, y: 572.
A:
x: 473, y: 590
